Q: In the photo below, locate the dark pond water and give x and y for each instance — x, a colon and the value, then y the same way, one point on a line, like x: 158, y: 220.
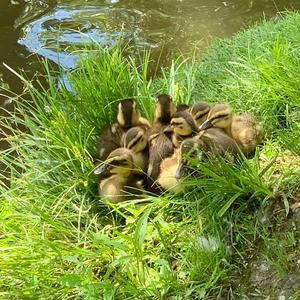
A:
x: 54, y: 29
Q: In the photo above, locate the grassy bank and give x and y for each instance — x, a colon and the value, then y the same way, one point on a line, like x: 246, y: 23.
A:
x: 59, y: 241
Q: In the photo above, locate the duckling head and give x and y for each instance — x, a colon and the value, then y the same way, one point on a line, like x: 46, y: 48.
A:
x: 135, y: 139
x: 183, y: 124
x: 199, y: 111
x: 219, y: 116
x: 128, y: 114
x: 119, y: 161
x: 165, y: 109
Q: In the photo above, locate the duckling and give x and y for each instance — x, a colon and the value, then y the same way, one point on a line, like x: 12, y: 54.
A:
x: 199, y: 111
x: 203, y: 146
x: 171, y: 168
x: 214, y: 141
x: 206, y: 145
x: 160, y: 143
x: 165, y: 109
x: 189, y: 147
x: 168, y: 178
x: 128, y: 116
x: 244, y: 129
x: 183, y: 126
x: 136, y: 140
x: 120, y: 183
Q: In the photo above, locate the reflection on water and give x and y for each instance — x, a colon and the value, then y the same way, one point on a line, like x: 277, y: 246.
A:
x: 176, y: 25
x: 14, y: 15
x: 54, y: 29
x: 30, y: 29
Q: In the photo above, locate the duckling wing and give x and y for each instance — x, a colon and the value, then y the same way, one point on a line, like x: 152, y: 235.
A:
x: 217, y: 141
x: 160, y: 148
x: 109, y: 140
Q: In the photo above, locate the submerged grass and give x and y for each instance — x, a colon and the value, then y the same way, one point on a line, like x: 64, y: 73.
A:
x: 59, y: 241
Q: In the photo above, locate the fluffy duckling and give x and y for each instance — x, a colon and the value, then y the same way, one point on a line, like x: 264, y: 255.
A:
x: 207, y: 144
x: 172, y: 168
x: 165, y: 109
x: 160, y: 143
x: 128, y: 116
x: 199, y: 111
x: 244, y: 129
x: 168, y: 178
x: 183, y: 126
x: 214, y: 141
x: 189, y: 147
x: 136, y: 140
x: 120, y: 183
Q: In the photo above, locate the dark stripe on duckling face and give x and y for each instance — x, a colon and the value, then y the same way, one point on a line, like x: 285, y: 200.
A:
x: 120, y: 156
x: 135, y: 142
x: 133, y: 135
x: 220, y: 110
x: 201, y: 115
x: 174, y: 123
x: 219, y: 113
x: 117, y: 163
x: 219, y: 117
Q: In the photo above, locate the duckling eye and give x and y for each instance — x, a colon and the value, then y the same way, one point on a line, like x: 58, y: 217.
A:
x: 219, y: 117
x: 176, y: 124
x: 222, y: 116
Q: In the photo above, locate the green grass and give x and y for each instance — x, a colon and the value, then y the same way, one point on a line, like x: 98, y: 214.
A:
x: 58, y: 240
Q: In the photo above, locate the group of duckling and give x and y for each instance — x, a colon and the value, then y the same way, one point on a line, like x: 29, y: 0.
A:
x: 137, y: 156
